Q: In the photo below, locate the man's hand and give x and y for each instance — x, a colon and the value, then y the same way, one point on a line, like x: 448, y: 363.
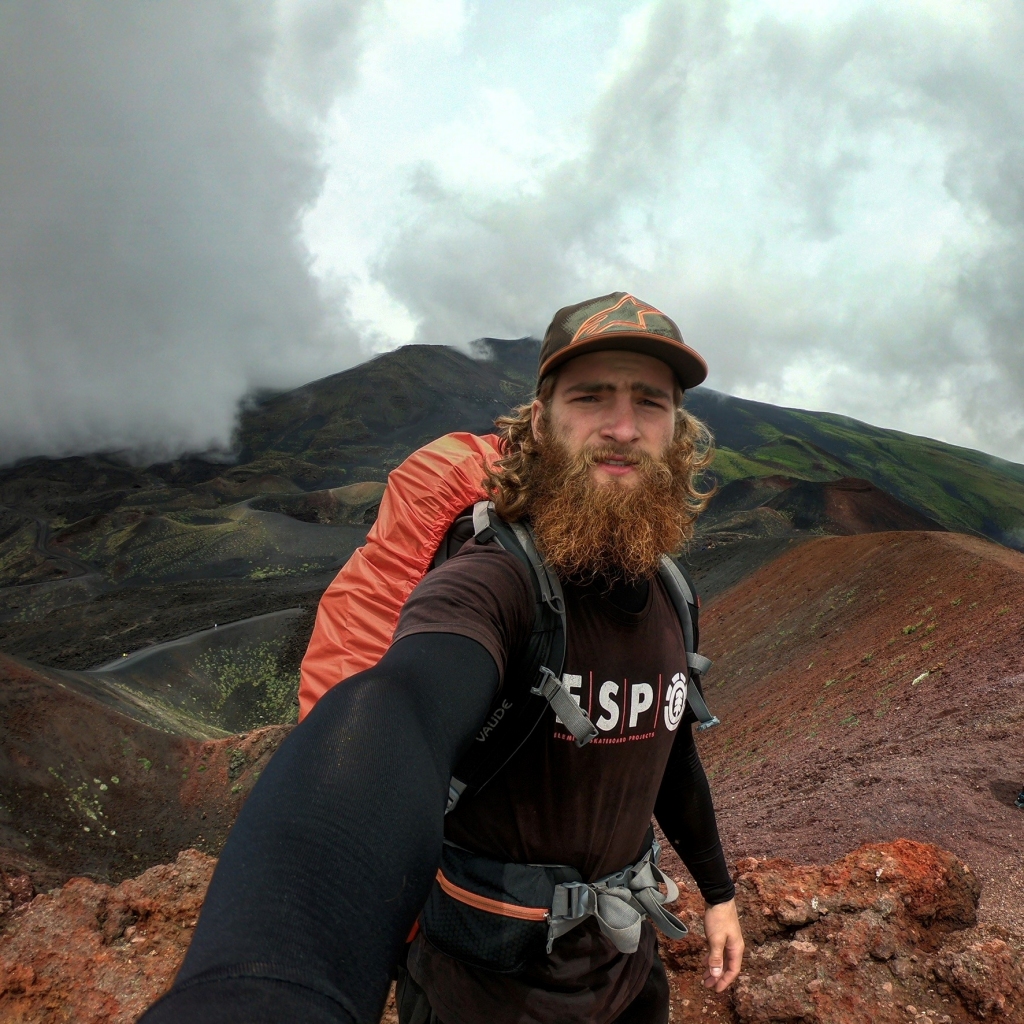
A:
x: 725, y: 945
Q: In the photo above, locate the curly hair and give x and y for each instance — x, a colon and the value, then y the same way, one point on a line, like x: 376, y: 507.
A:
x: 509, y: 482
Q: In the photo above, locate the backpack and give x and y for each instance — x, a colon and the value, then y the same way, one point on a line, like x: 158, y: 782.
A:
x: 433, y: 503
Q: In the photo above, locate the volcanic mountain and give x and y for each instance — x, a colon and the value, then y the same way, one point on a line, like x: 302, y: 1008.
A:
x: 862, y: 603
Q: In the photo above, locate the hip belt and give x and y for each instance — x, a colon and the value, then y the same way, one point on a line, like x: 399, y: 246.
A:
x: 497, y: 916
x: 619, y: 902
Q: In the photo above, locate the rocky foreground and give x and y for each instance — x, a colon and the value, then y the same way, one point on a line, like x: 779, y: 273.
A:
x: 886, y: 934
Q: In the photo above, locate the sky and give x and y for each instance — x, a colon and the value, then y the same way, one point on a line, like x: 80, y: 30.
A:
x: 198, y: 199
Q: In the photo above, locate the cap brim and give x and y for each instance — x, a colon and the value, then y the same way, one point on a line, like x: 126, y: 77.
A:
x: 688, y: 365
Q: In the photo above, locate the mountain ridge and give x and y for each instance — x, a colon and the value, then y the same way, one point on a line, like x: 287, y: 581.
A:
x: 959, y: 488
x: 356, y: 425
x: 100, y: 557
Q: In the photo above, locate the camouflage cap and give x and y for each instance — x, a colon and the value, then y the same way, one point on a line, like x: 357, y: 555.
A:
x: 619, y: 321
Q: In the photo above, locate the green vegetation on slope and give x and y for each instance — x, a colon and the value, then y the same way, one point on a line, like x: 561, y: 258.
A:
x: 783, y: 456
x: 964, y: 490
x: 252, y: 683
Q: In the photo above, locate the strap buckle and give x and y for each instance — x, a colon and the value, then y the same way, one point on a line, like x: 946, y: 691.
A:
x: 698, y: 663
x: 456, y: 787
x: 619, y: 902
x: 579, y: 900
x: 571, y: 715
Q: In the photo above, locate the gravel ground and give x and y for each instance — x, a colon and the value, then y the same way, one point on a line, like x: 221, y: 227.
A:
x: 870, y: 688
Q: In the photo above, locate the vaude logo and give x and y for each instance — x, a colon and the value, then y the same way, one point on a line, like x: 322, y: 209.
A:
x: 499, y: 714
x: 675, y: 702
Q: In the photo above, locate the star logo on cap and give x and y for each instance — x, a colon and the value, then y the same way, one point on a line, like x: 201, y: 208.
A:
x: 619, y: 321
x: 628, y: 315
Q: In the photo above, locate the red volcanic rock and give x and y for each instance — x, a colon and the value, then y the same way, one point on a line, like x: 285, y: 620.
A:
x: 924, y: 884
x: 860, y: 941
x: 888, y: 927
x: 986, y: 967
x: 96, y: 954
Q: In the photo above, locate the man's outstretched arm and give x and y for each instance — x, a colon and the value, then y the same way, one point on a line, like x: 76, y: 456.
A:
x: 333, y: 854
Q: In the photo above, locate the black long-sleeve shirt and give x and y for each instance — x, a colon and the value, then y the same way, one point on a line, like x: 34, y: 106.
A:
x: 334, y: 852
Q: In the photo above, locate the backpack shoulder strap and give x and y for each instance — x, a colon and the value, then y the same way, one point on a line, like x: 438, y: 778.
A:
x: 521, y: 704
x: 693, y: 599
x: 683, y: 595
x: 548, y: 682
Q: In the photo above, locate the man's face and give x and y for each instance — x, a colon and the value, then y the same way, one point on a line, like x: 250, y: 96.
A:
x: 615, y: 402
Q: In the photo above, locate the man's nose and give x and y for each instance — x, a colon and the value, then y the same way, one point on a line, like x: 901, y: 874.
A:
x: 621, y: 425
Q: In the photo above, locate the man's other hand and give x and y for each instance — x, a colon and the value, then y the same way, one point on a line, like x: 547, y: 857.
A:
x: 725, y: 945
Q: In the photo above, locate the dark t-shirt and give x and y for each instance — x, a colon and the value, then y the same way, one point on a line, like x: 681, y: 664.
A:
x: 555, y: 802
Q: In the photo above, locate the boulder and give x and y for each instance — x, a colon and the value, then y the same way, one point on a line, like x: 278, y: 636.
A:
x: 99, y: 954
x: 886, y: 934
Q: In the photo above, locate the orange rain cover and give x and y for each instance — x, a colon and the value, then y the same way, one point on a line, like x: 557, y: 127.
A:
x: 359, y: 610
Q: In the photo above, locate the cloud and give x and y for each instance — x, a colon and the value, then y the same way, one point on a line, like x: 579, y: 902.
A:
x: 830, y: 203
x: 197, y: 200
x: 471, y: 264
x: 156, y: 160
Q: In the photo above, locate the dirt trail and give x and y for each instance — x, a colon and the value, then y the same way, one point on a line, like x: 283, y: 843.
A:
x: 48, y: 566
x: 872, y: 687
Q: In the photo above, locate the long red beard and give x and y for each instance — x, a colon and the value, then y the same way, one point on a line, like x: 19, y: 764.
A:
x: 589, y: 531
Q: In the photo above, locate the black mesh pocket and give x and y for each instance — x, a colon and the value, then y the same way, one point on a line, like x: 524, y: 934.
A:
x: 479, y: 938
x: 478, y: 910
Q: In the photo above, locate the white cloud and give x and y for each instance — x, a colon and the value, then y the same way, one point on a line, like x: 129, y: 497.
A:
x: 828, y: 199
x: 151, y: 269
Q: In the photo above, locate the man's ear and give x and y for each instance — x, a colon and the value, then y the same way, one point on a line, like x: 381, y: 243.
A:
x: 537, y: 419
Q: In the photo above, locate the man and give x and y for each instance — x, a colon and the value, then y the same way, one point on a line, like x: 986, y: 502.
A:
x: 334, y: 854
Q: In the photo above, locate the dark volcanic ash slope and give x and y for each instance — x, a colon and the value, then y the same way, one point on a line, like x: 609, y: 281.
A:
x: 872, y: 687
x: 753, y: 521
x: 99, y: 557
x: 843, y: 506
x: 88, y: 789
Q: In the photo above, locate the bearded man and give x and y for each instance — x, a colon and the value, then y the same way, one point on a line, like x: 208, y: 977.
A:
x: 337, y: 848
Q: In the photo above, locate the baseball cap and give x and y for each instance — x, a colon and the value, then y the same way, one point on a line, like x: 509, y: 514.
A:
x: 619, y: 321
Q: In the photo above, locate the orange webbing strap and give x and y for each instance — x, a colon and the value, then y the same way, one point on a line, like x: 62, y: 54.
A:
x: 359, y: 610
x: 479, y: 902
